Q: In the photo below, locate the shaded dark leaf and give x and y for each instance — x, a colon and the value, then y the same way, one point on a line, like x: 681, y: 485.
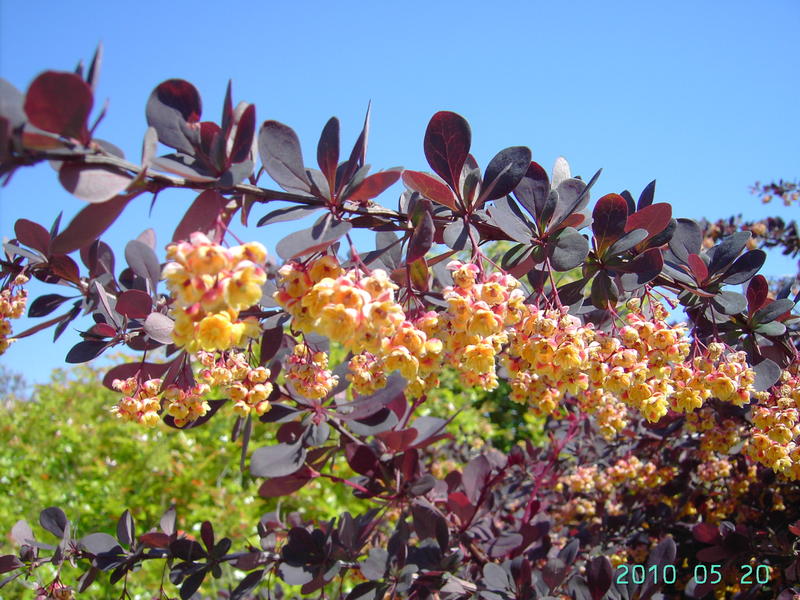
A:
x: 643, y: 269
x: 290, y: 213
x: 447, y: 141
x: 573, y: 196
x: 192, y: 584
x: 626, y: 242
x: 247, y: 585
x: 85, y: 351
x: 60, y: 103
x: 457, y: 235
x: 172, y: 106
x: 567, y: 249
x: 422, y: 238
x: 745, y: 267
x: 598, y: 576
x: 767, y: 374
x: 505, y: 171
x: 278, y: 460
x: 475, y: 476
x: 54, y: 520
x: 773, y: 310
x: 44, y: 305
x: 201, y: 216
x: 9, y: 562
x: 724, y: 253
x: 126, y: 529
x: 507, y: 216
x: 281, y: 156
x: 533, y: 190
x: 729, y: 303
x: 604, y: 290
x: 686, y: 240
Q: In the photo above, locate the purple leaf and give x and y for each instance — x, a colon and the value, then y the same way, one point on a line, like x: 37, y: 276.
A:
x: 32, y: 235
x: 599, y: 577
x: 245, y: 131
x: 312, y: 239
x: 608, y: 219
x: 430, y: 188
x: 60, y: 103
x: 201, y: 216
x: 422, y: 238
x: 159, y: 327
x: 447, y: 141
x: 88, y: 224
x: 54, y: 520
x: 374, y: 185
x: 504, y: 172
x: 94, y: 184
x: 134, y: 304
x: 85, y: 351
x: 328, y: 151
x: 281, y: 156
x: 173, y: 108
x: 278, y: 460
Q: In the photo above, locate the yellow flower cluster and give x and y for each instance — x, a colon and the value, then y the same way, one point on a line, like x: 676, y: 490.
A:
x: 12, y: 306
x: 474, y: 327
x: 776, y: 425
x: 309, y: 374
x: 141, y: 403
x: 211, y: 284
x: 361, y: 313
x: 186, y: 405
x: 248, y: 387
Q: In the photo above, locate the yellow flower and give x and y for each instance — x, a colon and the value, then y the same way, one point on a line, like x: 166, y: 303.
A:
x: 215, y: 332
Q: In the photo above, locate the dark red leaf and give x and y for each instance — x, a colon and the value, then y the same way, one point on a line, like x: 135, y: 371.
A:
x: 102, y: 330
x: 447, y: 142
x: 201, y: 216
x: 757, y: 292
x: 328, y: 151
x: 459, y: 504
x: 422, y: 238
x: 245, y: 131
x: 134, y: 304
x: 397, y: 441
x: 155, y: 539
x: 60, y: 102
x: 284, y: 486
x: 608, y: 219
x: 172, y: 106
x: 599, y: 577
x: 85, y: 351
x: 654, y: 218
x: 358, y: 155
x: 89, y: 223
x: 698, y: 268
x: 281, y: 156
x: 66, y: 268
x: 44, y: 305
x: 374, y: 185
x: 706, y: 533
x: 32, y: 235
x: 430, y: 188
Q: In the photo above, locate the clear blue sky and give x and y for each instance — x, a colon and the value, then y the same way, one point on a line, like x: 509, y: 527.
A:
x: 701, y: 96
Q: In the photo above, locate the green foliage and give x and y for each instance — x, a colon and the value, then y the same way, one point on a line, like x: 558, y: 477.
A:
x: 64, y: 448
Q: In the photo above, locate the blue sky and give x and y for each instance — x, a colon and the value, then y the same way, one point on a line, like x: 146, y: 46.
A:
x: 701, y: 96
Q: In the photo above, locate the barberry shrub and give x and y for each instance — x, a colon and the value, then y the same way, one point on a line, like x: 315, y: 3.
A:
x: 663, y: 443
